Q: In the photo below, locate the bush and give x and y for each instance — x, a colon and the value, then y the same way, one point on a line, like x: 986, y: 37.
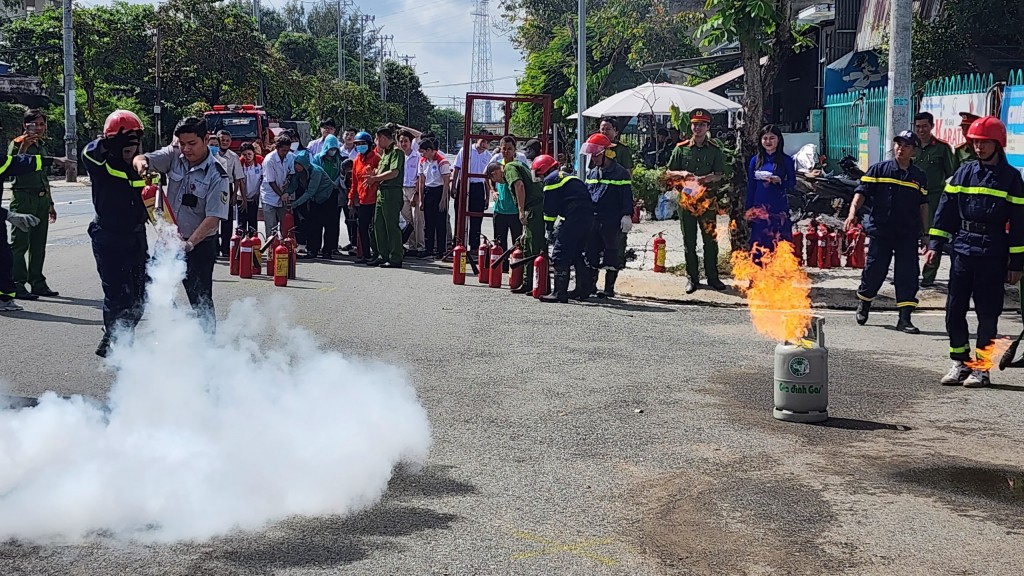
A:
x: 647, y: 186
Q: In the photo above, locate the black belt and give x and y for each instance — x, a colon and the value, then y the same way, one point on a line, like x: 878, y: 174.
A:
x: 976, y: 227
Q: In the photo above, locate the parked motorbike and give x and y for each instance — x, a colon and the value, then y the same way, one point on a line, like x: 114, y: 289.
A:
x: 820, y: 193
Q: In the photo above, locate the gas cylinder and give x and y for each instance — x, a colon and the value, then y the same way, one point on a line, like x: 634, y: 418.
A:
x: 257, y: 254
x: 515, y: 275
x: 824, y: 258
x: 801, y: 377
x: 459, y: 265
x: 245, y: 257
x: 287, y: 224
x: 659, y: 253
x: 798, y: 244
x: 540, y: 276
x: 812, y: 244
x: 636, y: 213
x: 233, y: 254
x: 835, y: 238
x: 483, y: 261
x: 494, y: 281
x: 281, y: 263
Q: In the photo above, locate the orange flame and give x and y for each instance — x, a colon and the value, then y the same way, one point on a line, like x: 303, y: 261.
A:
x: 988, y: 356
x: 757, y: 213
x: 779, y: 292
x: 732, y: 226
x: 693, y: 196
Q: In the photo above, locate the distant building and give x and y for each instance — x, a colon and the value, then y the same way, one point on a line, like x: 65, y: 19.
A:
x: 26, y: 7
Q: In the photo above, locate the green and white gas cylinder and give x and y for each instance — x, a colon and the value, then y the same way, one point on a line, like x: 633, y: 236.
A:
x: 801, y: 377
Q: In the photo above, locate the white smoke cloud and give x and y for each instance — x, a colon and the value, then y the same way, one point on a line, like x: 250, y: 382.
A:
x: 204, y: 436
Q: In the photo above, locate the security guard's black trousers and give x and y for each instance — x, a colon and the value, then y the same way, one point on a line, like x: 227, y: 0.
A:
x: 7, y: 287
x: 199, y: 281
x: 121, y: 262
x: 881, y: 251
x: 570, y: 243
x: 982, y: 278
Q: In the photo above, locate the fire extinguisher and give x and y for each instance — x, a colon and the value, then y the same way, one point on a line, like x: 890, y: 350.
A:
x: 257, y: 253
x: 858, y: 249
x: 292, y: 247
x: 494, y: 281
x: 851, y: 241
x: 836, y: 239
x: 659, y: 253
x: 483, y: 260
x: 540, y: 276
x: 812, y: 244
x: 245, y: 257
x: 798, y: 244
x: 824, y: 258
x: 233, y: 254
x: 515, y: 275
x: 287, y: 224
x: 636, y: 213
x: 459, y: 266
x: 282, y: 263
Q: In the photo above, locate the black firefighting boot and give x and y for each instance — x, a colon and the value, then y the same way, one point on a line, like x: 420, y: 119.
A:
x: 561, y: 292
x: 863, y: 309
x: 585, y: 282
x: 904, y: 324
x: 104, y: 348
x: 609, y: 284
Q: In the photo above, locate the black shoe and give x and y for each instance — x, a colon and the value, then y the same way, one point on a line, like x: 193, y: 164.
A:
x: 717, y: 284
x: 346, y: 248
x: 22, y: 294
x: 904, y: 324
x: 691, y: 286
x: 45, y: 292
x: 360, y: 261
x: 390, y: 265
x: 327, y: 256
x: 609, y: 284
x: 104, y: 348
x: 375, y: 262
x: 524, y: 289
x: 426, y: 256
x: 561, y: 292
x: 863, y: 310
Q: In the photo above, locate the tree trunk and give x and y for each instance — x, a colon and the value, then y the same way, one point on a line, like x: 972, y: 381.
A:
x: 746, y: 139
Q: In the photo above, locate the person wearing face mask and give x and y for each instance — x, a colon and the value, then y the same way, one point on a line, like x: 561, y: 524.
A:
x: 330, y: 161
x: 313, y: 190
x: 611, y: 191
x: 362, y: 195
x: 769, y: 174
x: 248, y: 198
x: 981, y: 215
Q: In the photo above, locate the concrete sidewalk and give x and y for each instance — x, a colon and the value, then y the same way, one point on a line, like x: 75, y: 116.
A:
x: 834, y: 288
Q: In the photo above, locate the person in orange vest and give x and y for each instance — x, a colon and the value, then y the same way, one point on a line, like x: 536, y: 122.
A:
x: 362, y: 196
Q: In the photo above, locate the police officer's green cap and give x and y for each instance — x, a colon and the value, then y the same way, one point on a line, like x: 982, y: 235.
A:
x: 908, y: 137
x: 700, y: 115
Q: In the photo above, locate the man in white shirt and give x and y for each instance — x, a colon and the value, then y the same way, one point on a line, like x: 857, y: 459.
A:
x: 272, y: 192
x: 348, y: 144
x: 237, y: 177
x: 479, y: 158
x: 433, y: 186
x: 327, y: 127
x: 411, y: 211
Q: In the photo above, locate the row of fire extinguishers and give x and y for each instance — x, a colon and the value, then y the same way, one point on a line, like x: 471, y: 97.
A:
x: 246, y: 259
x: 489, y: 263
x: 824, y: 247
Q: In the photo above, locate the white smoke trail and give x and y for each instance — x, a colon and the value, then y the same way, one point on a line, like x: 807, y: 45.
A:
x: 204, y: 436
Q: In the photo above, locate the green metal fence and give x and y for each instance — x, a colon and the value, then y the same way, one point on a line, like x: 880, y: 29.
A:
x: 1016, y: 78
x: 844, y: 114
x: 967, y: 84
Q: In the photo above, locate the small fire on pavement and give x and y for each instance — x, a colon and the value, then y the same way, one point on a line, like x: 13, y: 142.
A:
x: 987, y: 357
x: 777, y: 291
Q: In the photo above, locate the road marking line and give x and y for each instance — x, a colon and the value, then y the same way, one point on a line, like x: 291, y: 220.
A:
x: 553, y: 547
x: 327, y: 289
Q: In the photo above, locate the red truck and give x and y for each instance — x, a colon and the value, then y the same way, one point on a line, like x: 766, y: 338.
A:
x: 250, y: 123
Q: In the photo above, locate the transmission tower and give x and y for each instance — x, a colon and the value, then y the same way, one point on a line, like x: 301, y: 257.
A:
x: 482, y: 74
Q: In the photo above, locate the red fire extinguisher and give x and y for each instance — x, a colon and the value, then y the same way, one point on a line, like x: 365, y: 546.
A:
x: 812, y: 244
x: 293, y: 255
x: 233, y: 254
x: 858, y: 249
x: 836, y: 239
x: 515, y: 275
x: 798, y: 244
x: 459, y: 265
x: 282, y: 263
x: 483, y: 261
x: 824, y: 257
x: 540, y: 276
x: 636, y: 213
x: 257, y: 253
x: 659, y: 253
x: 287, y: 224
x: 245, y: 257
x: 494, y: 281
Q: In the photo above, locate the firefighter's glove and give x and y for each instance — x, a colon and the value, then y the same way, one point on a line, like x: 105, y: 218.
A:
x: 22, y: 221
x: 626, y: 224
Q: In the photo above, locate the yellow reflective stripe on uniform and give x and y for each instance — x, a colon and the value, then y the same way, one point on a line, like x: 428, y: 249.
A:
x: 550, y: 218
x: 864, y: 298
x: 1016, y: 249
x: 119, y: 174
x: 39, y: 163
x: 873, y: 180
x: 558, y: 185
x: 6, y: 164
x: 905, y: 304
x: 951, y: 189
x: 959, y: 349
x: 941, y: 233
x: 612, y: 182
x: 1014, y: 199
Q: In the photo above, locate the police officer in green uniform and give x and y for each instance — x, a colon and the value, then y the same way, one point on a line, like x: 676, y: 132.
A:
x: 965, y: 152
x: 935, y: 158
x: 529, y: 198
x: 701, y: 157
x: 390, y: 198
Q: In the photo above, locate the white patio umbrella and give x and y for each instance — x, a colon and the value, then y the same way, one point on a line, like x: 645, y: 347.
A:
x: 656, y: 99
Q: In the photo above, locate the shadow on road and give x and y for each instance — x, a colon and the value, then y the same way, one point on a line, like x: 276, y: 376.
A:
x: 431, y: 482
x: 88, y: 302
x: 854, y: 424
x: 44, y: 317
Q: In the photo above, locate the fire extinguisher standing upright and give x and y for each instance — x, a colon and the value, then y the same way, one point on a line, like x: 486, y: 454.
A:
x: 515, y: 275
x: 483, y: 260
x: 856, y: 253
x: 659, y: 253
x: 293, y: 256
x: 635, y: 219
x: 282, y: 262
x: 236, y: 239
x: 836, y: 239
x: 245, y: 257
x: 812, y: 244
x: 494, y: 281
x: 459, y: 265
x: 824, y: 258
x: 541, y: 269
x: 798, y: 243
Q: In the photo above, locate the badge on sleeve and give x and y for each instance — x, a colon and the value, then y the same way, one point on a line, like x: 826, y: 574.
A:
x: 224, y: 197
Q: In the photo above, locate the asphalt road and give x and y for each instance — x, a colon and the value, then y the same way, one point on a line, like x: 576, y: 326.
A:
x: 611, y: 438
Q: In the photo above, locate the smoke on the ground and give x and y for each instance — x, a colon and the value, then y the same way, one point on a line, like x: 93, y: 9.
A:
x: 204, y: 436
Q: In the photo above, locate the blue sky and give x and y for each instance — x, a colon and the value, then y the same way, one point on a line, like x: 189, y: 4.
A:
x: 439, y: 33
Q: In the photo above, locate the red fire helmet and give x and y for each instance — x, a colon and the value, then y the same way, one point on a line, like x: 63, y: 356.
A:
x: 543, y: 164
x: 121, y: 121
x: 988, y: 128
x: 597, y: 144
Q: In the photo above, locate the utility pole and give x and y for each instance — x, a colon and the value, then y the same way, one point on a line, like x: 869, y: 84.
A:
x: 901, y: 19
x: 363, y: 20
x: 384, y: 39
x: 257, y: 14
x: 158, y: 105
x: 342, y: 5
x: 581, y: 78
x: 70, y: 126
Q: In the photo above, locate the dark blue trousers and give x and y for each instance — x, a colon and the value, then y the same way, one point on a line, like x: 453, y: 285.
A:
x: 571, y: 242
x: 980, y: 278
x: 881, y: 252
x: 121, y: 262
x: 603, y: 246
x: 7, y: 287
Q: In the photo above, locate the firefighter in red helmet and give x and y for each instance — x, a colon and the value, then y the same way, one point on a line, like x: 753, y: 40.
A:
x: 118, y: 231
x: 567, y: 196
x: 981, y: 216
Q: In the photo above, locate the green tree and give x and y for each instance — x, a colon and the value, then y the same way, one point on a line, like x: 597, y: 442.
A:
x: 404, y: 90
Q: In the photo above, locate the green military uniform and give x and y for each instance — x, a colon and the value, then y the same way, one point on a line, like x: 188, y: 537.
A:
x: 533, y: 233
x: 390, y: 198
x: 30, y: 195
x: 938, y: 163
x: 624, y: 156
x: 965, y: 153
x: 701, y: 160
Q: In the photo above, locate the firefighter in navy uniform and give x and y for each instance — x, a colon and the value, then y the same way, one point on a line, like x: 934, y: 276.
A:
x: 611, y: 191
x: 981, y: 215
x: 567, y: 196
x: 16, y: 166
x: 897, y: 195
x: 118, y: 231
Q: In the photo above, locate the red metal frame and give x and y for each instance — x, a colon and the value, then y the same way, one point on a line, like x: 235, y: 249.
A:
x: 462, y: 213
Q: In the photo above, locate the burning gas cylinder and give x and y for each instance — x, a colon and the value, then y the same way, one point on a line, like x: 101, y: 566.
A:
x: 801, y: 376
